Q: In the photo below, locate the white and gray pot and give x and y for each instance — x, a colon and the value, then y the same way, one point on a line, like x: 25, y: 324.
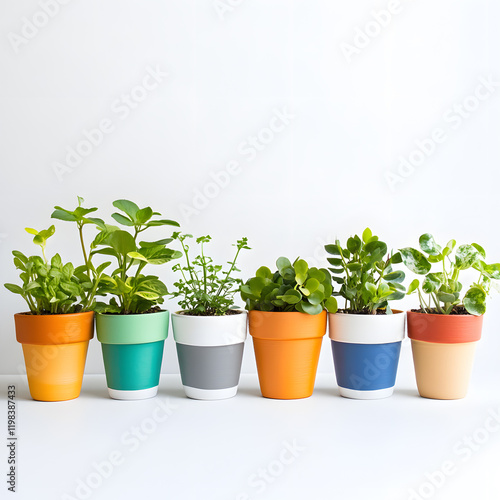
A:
x: 210, y: 351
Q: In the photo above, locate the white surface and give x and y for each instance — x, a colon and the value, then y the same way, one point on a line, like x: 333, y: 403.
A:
x: 367, y: 329
x: 209, y: 330
x: 321, y: 177
x: 210, y: 394
x: 350, y: 450
x: 132, y: 395
x: 377, y: 394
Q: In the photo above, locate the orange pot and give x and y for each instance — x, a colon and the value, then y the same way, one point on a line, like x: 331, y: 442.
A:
x: 55, y: 350
x: 287, y: 347
x: 443, y: 352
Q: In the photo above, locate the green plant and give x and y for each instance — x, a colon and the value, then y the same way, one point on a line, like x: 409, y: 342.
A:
x: 49, y: 287
x: 443, y: 288
x: 133, y: 293
x: 206, y: 289
x: 296, y: 287
x: 365, y: 273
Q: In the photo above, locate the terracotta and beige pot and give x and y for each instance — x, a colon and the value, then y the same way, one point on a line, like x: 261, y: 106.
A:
x: 443, y: 349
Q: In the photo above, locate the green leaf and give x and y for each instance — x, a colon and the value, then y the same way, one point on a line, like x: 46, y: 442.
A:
x: 432, y: 282
x: 395, y: 276
x: 162, y: 222
x: 62, y: 214
x: 413, y: 286
x: 466, y: 256
x: 121, y: 241
x: 264, y: 272
x: 331, y: 305
x: 449, y: 247
x: 14, y: 288
x: 129, y: 207
x: 121, y: 219
x: 20, y: 256
x: 300, y: 266
x: 354, y: 266
x: 291, y: 297
x: 396, y: 258
x: 445, y: 297
x: 367, y: 234
x: 143, y: 215
x: 283, y: 263
x: 316, y: 297
x: 475, y: 301
x: 311, y: 308
x: 415, y: 261
x: 146, y: 244
x: 354, y: 244
x: 311, y: 285
x: 98, y: 222
x: 480, y: 249
x: 335, y: 261
x: 371, y: 289
x: 30, y: 230
x: 148, y: 295
x: 56, y: 261
x: 137, y: 256
x: 428, y: 245
x: 332, y: 249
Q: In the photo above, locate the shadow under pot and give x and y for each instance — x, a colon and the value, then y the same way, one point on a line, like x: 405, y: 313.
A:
x: 210, y: 352
x: 55, y: 350
x: 443, y: 349
x: 287, y: 347
x: 366, y: 349
x: 132, y: 349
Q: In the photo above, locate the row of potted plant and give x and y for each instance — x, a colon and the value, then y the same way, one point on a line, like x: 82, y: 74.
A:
x: 287, y: 314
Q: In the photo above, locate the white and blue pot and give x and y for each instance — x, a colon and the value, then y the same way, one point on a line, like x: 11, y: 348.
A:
x: 210, y: 351
x: 366, y: 352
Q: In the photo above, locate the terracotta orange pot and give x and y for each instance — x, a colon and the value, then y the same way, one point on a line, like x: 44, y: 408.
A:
x: 443, y: 349
x: 55, y: 351
x: 287, y: 347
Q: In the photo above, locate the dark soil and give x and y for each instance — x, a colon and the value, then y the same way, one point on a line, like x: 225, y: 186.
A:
x: 231, y: 312
x: 364, y: 311
x: 457, y: 310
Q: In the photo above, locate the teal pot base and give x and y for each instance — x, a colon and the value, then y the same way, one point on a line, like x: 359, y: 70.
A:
x: 133, y: 395
x: 133, y: 368
x: 210, y: 394
x: 376, y: 394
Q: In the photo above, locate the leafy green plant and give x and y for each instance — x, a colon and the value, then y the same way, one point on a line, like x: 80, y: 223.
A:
x: 206, y: 289
x: 49, y: 286
x: 443, y: 288
x: 293, y: 287
x: 133, y: 292
x: 364, y: 272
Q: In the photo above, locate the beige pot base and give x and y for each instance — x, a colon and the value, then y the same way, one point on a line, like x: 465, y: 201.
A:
x: 443, y: 370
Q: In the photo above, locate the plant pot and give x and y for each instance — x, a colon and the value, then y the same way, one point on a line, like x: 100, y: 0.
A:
x: 287, y: 347
x: 443, y: 349
x: 366, y: 352
x: 132, y: 349
x: 210, y: 351
x: 55, y: 350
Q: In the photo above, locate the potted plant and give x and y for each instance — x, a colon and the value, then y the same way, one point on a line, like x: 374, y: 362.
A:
x: 132, y: 327
x: 210, y: 330
x: 366, y: 335
x: 56, y: 331
x: 287, y: 320
x: 445, y: 329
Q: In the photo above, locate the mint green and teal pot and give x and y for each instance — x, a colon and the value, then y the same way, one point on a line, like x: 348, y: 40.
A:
x: 210, y: 351
x: 132, y: 349
x: 366, y: 349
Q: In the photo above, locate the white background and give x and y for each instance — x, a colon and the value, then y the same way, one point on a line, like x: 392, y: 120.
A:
x: 322, y: 177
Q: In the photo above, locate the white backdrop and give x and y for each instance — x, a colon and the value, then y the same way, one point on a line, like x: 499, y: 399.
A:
x: 325, y: 116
